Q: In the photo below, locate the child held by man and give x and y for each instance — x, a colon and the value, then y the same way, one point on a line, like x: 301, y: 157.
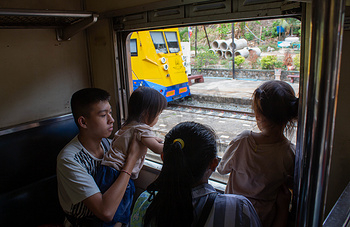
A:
x: 145, y: 106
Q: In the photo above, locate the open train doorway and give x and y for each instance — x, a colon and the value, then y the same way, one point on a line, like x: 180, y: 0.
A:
x: 224, y: 64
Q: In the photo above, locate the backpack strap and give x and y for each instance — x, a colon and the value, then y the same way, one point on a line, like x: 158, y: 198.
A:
x: 206, y: 209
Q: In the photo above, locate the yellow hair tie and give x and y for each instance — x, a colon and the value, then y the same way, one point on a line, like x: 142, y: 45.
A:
x: 180, y: 141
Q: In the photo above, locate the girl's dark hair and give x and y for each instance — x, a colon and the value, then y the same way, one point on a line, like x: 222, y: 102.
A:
x: 183, y: 167
x: 145, y: 104
x: 276, y: 101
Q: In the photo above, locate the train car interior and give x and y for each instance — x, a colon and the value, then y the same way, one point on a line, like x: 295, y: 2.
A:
x: 50, y: 49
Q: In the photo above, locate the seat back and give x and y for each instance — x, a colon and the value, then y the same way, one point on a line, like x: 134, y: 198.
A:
x: 28, y: 189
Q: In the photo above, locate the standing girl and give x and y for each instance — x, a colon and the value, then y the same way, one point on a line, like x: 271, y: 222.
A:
x: 260, y: 163
x: 145, y: 106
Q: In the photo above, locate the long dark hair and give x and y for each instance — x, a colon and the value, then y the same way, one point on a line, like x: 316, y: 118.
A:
x: 276, y: 101
x: 188, y: 150
x: 144, y: 105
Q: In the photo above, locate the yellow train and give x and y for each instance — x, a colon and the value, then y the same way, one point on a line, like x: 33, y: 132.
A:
x: 157, y: 62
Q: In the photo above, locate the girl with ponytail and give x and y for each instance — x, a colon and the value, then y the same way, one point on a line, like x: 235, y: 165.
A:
x: 180, y: 193
x: 261, y: 163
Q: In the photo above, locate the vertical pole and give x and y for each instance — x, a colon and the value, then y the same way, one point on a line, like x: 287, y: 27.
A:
x: 279, y: 32
x: 206, y: 35
x: 316, y: 133
x: 260, y: 34
x: 195, y: 43
x: 233, y: 50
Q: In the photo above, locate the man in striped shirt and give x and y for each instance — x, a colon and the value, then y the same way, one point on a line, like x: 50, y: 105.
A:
x: 78, y: 161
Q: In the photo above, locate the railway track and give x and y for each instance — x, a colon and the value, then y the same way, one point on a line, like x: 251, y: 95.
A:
x: 224, y: 113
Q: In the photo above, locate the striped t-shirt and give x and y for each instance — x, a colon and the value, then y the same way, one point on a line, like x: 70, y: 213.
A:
x: 76, y: 169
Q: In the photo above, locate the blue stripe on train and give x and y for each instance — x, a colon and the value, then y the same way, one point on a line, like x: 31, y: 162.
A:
x: 172, y: 91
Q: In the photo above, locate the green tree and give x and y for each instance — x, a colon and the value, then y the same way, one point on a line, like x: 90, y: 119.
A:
x: 183, y: 32
x: 295, y: 25
x: 223, y: 30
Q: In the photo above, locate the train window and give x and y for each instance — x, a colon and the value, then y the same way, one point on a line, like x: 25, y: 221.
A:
x: 173, y: 43
x: 133, y: 47
x: 159, y: 42
x: 207, y: 88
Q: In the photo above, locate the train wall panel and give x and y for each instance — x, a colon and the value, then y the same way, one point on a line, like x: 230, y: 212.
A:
x: 340, y: 169
x: 102, y: 58
x: 39, y: 74
x: 107, y: 5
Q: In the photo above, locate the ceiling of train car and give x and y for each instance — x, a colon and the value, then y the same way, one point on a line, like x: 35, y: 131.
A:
x: 151, y: 15
x: 189, y: 12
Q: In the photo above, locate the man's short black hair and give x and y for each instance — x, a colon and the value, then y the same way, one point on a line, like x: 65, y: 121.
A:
x: 83, y: 99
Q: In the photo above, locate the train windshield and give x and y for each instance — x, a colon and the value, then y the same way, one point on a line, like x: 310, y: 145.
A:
x: 159, y: 42
x: 172, y: 41
x: 133, y: 47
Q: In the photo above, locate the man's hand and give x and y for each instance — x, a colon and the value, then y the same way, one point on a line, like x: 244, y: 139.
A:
x: 136, y: 149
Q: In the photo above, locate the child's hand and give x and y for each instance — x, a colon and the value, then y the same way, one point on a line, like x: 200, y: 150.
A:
x: 154, y: 144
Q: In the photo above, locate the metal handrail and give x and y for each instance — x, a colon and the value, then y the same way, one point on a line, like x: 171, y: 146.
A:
x: 44, y: 13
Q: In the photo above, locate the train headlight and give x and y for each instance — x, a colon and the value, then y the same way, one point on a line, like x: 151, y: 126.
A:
x: 166, y: 67
x: 163, y: 60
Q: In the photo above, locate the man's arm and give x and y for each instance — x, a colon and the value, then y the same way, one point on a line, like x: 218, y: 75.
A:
x: 105, y: 205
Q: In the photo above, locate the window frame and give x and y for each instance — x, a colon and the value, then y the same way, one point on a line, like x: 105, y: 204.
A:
x: 159, y: 50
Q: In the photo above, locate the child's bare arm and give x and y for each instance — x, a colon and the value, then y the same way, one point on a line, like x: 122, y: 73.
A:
x: 159, y: 140
x: 153, y: 144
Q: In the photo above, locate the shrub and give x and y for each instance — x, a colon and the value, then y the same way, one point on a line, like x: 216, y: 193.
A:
x: 296, y: 61
x: 263, y: 47
x: 249, y: 36
x: 239, y: 60
x: 227, y: 64
x: 253, y: 59
x: 267, y: 32
x: 278, y: 64
x: 205, y: 57
x: 268, y: 62
x: 288, y: 60
x: 223, y: 30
